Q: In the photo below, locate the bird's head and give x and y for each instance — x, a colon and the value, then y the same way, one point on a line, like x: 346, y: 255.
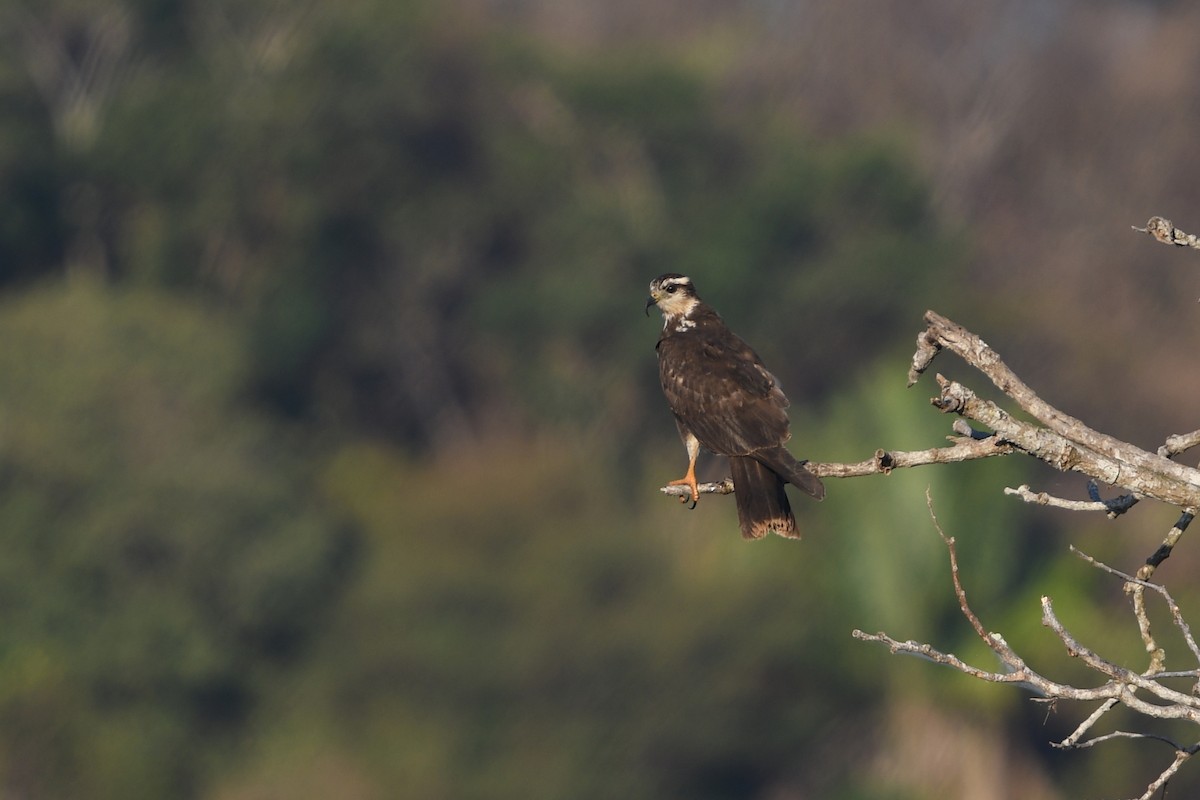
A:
x: 673, y: 294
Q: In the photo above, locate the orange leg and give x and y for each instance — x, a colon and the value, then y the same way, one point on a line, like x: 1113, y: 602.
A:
x: 689, y: 479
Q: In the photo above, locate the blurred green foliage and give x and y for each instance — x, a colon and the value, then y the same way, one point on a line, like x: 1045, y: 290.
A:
x: 162, y: 556
x: 498, y: 647
x: 329, y: 423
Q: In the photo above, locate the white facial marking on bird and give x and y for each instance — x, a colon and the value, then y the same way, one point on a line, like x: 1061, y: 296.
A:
x: 676, y: 299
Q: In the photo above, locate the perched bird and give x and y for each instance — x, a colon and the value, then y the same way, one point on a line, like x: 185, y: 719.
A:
x: 726, y: 401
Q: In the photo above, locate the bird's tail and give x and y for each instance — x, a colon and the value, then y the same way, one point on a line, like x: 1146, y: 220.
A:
x: 762, y: 503
x: 791, y: 470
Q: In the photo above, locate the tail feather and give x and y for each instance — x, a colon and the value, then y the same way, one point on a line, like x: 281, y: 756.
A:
x: 762, y: 503
x: 791, y: 470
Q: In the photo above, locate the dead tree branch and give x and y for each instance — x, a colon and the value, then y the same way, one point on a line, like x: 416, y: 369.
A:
x: 962, y: 448
x: 1165, y: 231
x: 717, y: 487
x: 1178, y: 443
x: 1060, y: 440
x: 1141, y: 692
x: 1114, y: 507
x: 1068, y: 445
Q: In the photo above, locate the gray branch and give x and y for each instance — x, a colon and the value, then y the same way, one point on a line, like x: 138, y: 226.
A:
x: 1164, y: 230
x: 1141, y: 692
x: 1068, y: 445
x: 1056, y: 438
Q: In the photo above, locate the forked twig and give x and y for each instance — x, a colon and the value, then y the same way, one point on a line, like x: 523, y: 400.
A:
x: 1068, y: 445
x: 1144, y: 692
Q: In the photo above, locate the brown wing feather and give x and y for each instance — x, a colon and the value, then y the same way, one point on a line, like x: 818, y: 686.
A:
x: 718, y: 389
x: 720, y: 392
x: 784, y: 464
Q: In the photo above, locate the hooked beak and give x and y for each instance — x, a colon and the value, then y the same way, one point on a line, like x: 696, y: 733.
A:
x: 649, y: 302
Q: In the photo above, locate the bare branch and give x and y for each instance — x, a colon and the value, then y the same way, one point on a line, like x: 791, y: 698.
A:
x: 1016, y: 671
x: 1122, y: 686
x: 952, y: 336
x: 1161, y: 781
x: 1118, y: 690
x: 930, y: 653
x: 1073, y: 741
x: 959, y: 592
x: 1113, y: 507
x: 719, y: 487
x: 1124, y: 735
x: 884, y: 461
x: 1173, y: 483
x: 1158, y: 656
x: 881, y: 463
x: 1067, y: 445
x: 1165, y: 231
x: 1061, y: 440
x: 1178, y: 443
x: 1178, y: 705
x: 1168, y: 546
x: 1172, y: 606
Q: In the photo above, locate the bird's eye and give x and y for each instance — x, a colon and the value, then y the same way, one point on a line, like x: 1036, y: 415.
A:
x: 671, y: 288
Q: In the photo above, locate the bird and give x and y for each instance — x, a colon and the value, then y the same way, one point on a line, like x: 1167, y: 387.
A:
x: 725, y: 400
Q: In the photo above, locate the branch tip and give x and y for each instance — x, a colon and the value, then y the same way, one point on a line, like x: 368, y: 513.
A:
x: 1163, y: 230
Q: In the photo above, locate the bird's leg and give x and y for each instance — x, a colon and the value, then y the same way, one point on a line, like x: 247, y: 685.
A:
x: 689, y: 479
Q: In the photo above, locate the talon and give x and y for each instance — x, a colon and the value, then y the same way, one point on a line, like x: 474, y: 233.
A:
x: 689, y: 480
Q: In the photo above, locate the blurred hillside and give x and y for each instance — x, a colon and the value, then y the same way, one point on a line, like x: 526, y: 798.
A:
x: 1044, y: 128
x: 330, y: 430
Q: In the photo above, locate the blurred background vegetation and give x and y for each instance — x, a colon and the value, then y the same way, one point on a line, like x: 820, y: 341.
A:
x: 329, y: 422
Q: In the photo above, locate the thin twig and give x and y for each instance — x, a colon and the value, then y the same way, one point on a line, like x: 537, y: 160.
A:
x: 1117, y: 505
x: 1125, y: 465
x: 1172, y: 606
x: 1073, y: 741
x: 1164, y: 230
x: 1122, y: 687
x: 1179, y: 442
x: 948, y: 334
x: 1113, y: 508
x: 959, y: 591
x: 718, y: 487
x: 1158, y: 656
x: 1060, y: 440
x: 1181, y: 756
x: 884, y: 461
x: 1136, y: 589
x: 1066, y: 444
x: 1168, y: 546
x: 930, y: 653
x: 1178, y: 705
x: 1126, y: 735
x: 881, y: 463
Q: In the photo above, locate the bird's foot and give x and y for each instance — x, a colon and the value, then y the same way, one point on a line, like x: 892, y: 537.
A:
x: 689, y: 481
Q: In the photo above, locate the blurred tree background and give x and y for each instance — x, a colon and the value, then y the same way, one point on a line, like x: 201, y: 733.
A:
x: 329, y: 423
